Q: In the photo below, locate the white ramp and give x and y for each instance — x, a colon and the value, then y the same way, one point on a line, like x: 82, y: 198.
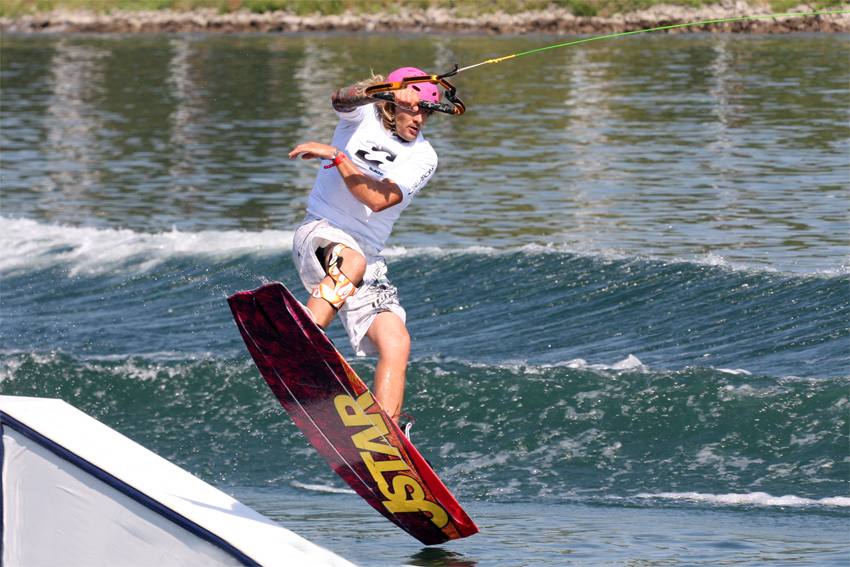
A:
x: 75, y: 492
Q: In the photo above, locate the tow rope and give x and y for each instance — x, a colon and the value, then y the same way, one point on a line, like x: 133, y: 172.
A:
x: 456, y: 106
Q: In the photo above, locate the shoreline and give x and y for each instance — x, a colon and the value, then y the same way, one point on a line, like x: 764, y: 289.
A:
x: 432, y: 20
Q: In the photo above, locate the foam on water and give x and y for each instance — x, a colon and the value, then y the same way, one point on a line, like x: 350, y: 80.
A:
x: 750, y: 499
x: 521, y: 367
x: 321, y: 488
x: 31, y: 245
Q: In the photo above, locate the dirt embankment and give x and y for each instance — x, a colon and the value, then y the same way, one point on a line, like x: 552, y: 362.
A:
x: 553, y: 20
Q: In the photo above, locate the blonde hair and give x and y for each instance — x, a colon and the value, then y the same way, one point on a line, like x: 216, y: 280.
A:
x: 385, y: 109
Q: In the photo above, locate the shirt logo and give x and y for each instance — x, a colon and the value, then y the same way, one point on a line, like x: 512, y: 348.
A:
x: 422, y: 180
x: 377, y: 156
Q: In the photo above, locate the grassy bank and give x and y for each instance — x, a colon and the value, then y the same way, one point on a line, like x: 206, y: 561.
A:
x: 603, y: 8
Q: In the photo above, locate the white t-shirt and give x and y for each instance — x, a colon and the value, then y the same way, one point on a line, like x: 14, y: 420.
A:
x: 380, y: 155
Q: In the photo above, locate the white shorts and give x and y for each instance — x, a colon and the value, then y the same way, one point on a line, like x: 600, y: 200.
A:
x: 374, y: 296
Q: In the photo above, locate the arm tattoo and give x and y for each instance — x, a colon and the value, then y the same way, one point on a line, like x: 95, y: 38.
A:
x: 347, y: 99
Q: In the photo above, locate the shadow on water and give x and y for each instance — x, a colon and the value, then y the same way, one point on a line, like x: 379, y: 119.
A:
x: 437, y: 556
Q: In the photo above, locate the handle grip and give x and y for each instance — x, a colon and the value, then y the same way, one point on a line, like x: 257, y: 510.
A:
x: 426, y: 104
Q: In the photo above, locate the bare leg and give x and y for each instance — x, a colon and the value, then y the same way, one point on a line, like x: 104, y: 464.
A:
x: 354, y: 267
x: 392, y: 340
x: 322, y: 311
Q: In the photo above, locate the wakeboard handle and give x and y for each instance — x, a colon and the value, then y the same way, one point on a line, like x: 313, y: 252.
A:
x: 381, y: 91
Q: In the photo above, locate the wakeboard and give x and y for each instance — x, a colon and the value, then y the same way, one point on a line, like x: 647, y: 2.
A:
x: 337, y: 413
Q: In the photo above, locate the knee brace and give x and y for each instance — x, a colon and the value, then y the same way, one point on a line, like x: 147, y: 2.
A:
x: 343, y: 287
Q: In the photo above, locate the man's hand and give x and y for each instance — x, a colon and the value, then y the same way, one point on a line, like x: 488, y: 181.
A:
x: 407, y: 98
x: 313, y: 150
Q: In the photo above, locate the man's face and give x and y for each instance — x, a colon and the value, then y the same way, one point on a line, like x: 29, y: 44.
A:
x: 408, y: 124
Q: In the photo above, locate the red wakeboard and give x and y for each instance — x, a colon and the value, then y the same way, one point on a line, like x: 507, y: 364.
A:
x: 335, y: 410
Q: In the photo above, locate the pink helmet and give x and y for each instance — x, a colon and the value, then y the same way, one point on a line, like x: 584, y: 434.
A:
x: 427, y: 91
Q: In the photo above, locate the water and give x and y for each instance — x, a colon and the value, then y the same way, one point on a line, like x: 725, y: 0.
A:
x: 627, y: 284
